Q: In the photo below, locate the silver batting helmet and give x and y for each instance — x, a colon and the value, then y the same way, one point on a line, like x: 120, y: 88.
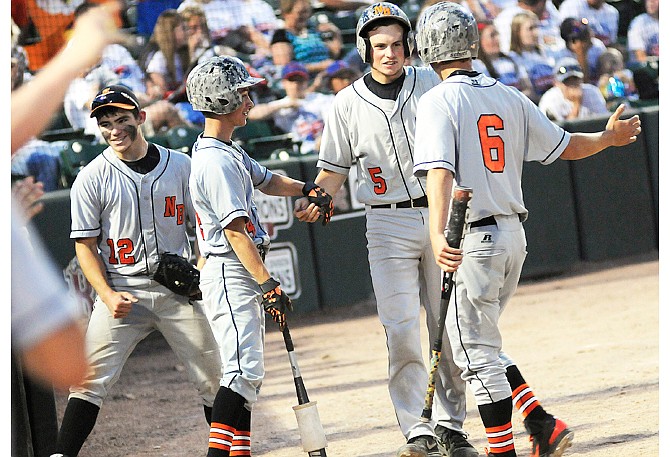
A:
x: 212, y: 85
x: 373, y: 13
x: 446, y: 31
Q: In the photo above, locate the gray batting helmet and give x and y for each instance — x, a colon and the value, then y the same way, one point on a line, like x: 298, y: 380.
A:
x: 446, y: 31
x: 212, y: 85
x: 374, y: 13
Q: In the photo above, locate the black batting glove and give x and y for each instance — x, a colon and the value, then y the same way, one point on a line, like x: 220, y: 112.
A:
x: 275, y: 301
x: 315, y: 194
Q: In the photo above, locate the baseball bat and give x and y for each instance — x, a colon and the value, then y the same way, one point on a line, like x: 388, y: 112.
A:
x: 459, y: 205
x: 309, y: 424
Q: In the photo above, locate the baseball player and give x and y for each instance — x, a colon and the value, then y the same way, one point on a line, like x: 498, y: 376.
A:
x: 235, y: 282
x: 475, y: 132
x: 129, y: 205
x: 371, y: 127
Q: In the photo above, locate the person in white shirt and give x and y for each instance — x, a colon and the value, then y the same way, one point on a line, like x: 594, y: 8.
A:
x: 643, y: 34
x: 572, y: 98
x: 603, y: 17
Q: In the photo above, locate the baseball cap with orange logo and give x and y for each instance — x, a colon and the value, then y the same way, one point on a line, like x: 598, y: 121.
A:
x: 115, y: 95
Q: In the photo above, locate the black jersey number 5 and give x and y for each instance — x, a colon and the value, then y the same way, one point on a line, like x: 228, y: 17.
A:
x: 493, y: 146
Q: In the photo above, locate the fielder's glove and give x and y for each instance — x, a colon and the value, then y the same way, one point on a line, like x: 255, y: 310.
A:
x: 275, y: 301
x: 178, y: 274
x: 315, y: 194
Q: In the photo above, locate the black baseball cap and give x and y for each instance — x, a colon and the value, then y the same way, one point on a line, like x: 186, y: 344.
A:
x: 115, y: 95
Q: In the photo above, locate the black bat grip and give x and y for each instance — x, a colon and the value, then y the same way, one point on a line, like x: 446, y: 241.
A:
x: 459, y: 207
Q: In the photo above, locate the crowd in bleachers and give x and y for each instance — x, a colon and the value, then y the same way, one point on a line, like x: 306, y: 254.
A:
x: 574, y: 58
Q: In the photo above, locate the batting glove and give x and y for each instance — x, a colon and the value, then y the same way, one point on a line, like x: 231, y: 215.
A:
x: 315, y: 194
x: 275, y: 301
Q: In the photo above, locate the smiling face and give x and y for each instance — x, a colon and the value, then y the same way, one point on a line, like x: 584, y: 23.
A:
x: 121, y: 130
x: 388, y: 52
x: 239, y: 117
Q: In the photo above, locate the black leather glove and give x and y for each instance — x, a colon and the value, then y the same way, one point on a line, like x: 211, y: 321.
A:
x: 275, y: 301
x: 315, y: 194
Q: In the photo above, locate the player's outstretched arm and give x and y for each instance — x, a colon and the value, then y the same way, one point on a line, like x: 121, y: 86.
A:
x: 329, y: 181
x: 94, y: 30
x: 617, y: 133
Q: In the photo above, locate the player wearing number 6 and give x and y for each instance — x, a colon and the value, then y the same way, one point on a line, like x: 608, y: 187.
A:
x: 371, y: 128
x: 475, y: 132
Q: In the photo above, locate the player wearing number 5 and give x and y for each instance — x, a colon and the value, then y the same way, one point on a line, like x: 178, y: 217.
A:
x: 473, y: 131
x: 129, y: 205
x: 371, y: 127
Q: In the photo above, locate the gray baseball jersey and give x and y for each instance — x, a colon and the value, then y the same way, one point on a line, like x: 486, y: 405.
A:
x: 483, y: 131
x: 133, y: 215
x: 362, y: 125
x: 222, y: 187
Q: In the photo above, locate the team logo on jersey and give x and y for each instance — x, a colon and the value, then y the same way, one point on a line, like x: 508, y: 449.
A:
x: 172, y: 209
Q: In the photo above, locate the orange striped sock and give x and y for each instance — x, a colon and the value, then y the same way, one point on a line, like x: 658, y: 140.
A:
x: 501, y: 440
x: 524, y: 400
x: 221, y: 437
x: 241, y: 445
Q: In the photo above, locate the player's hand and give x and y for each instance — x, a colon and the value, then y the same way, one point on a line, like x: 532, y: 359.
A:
x: 94, y: 30
x: 317, y: 195
x: 306, y: 211
x: 27, y: 193
x: 622, y: 132
x: 119, y: 303
x: 275, y: 301
x: 446, y: 257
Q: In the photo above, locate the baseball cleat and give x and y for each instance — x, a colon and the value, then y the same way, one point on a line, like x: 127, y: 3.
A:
x: 454, y: 444
x: 553, y: 440
x: 420, y: 446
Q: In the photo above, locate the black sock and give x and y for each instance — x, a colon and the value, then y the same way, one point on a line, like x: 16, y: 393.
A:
x: 208, y: 413
x: 78, y: 422
x: 497, y: 419
x: 524, y: 400
x: 226, y: 413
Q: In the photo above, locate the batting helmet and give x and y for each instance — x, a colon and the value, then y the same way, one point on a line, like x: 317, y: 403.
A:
x: 372, y: 14
x: 213, y: 85
x: 446, y: 31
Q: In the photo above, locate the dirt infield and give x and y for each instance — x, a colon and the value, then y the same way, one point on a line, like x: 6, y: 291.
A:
x: 587, y: 342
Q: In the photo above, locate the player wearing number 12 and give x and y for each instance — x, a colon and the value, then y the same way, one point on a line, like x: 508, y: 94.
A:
x: 130, y: 205
x: 475, y: 132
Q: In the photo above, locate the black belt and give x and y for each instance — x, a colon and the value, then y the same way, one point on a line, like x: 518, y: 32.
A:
x: 489, y: 221
x: 421, y: 202
x: 483, y: 222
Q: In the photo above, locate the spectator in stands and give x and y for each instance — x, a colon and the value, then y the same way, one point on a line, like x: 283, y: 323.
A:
x: 301, y: 112
x: 296, y: 42
x: 339, y: 75
x: 615, y: 81
x: 549, y: 22
x: 572, y: 98
x: 198, y: 36
x: 602, y: 17
x: 643, y: 34
x: 527, y: 52
x: 493, y: 62
x: 244, y: 25
x: 581, y: 44
x: 166, y: 58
